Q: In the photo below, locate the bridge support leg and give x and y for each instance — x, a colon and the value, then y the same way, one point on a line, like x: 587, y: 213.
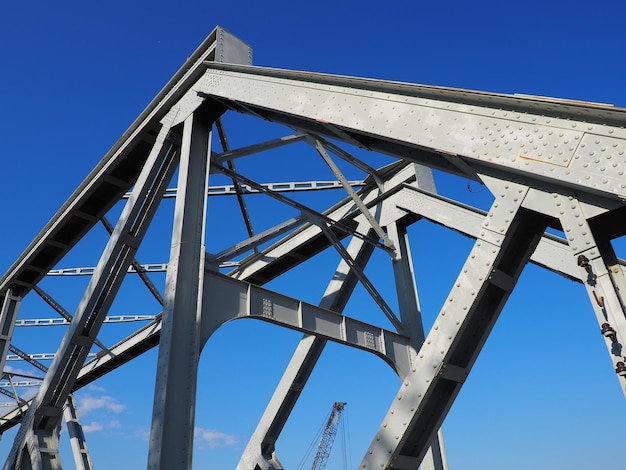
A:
x: 411, y: 316
x: 171, y: 437
x: 77, y: 436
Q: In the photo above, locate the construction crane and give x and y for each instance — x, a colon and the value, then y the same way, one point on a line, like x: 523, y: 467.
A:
x: 328, y: 437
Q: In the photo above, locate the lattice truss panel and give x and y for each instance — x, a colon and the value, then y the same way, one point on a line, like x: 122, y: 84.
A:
x: 539, y: 164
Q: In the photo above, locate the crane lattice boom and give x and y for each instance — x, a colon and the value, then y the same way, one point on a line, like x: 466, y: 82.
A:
x: 328, y: 437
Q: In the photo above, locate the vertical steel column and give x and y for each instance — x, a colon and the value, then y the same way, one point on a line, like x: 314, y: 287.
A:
x: 260, y: 451
x: 171, y: 437
x: 411, y: 316
x: 77, y: 436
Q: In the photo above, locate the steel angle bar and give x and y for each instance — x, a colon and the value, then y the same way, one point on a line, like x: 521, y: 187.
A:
x: 238, y: 191
x: 89, y: 270
x: 364, y: 210
x: 61, y: 311
x: 365, y: 282
x: 280, y: 187
x: 18, y: 399
x: 308, y: 239
x: 344, y: 155
x: 26, y: 357
x: 229, y: 155
x: 314, y: 216
x: 9, y: 394
x: 137, y: 267
x: 255, y: 241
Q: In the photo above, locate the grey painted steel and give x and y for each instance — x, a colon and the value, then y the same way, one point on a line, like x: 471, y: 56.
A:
x: 323, y: 221
x: 63, y: 321
x: 137, y: 267
x: 229, y: 155
x: 283, y: 187
x: 534, y: 138
x: 552, y: 253
x: 343, y: 154
x: 60, y: 310
x: 238, y: 189
x: 260, y: 450
x: 604, y: 293
x: 171, y: 436
x: 118, y: 169
x: 255, y: 241
x: 8, y: 316
x: 82, y: 460
x: 37, y: 439
x: 254, y: 267
x: 88, y: 271
x: 547, y: 162
x: 364, y: 210
x: 410, y: 313
x: 226, y: 299
x: 26, y: 357
x: 456, y: 338
x: 148, y: 336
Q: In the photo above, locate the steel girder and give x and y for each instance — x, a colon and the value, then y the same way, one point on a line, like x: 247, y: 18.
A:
x: 547, y: 163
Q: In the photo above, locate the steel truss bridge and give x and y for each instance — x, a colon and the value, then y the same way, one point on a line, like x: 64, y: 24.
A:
x: 555, y: 170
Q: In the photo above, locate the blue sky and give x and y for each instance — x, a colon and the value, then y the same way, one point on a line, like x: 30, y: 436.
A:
x: 74, y: 75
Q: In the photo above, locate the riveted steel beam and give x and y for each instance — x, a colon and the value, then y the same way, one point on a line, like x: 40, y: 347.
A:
x: 532, y: 139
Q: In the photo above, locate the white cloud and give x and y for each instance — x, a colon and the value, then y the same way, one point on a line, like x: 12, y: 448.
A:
x: 19, y: 372
x: 93, y: 427
x: 115, y: 424
x: 90, y: 403
x: 213, y: 438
